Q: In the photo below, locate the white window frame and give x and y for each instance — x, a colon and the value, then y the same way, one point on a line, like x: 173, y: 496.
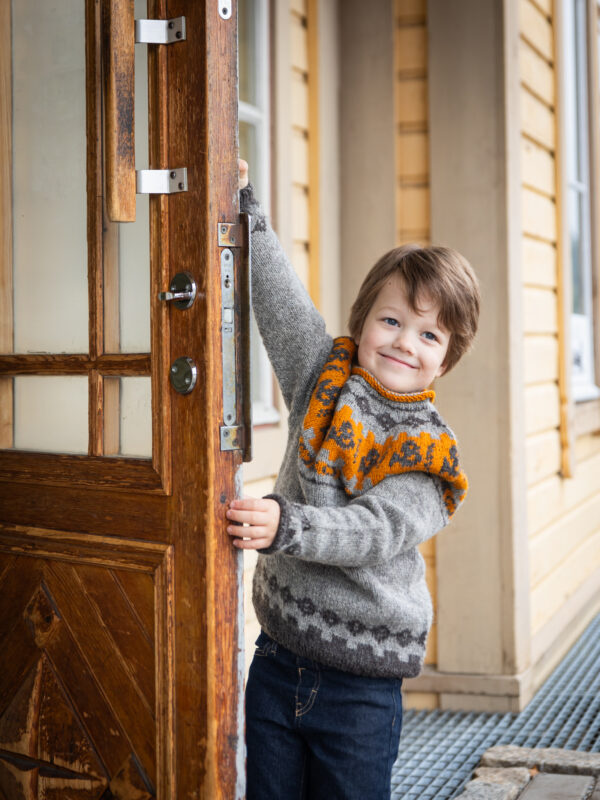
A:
x: 579, y: 186
x: 259, y: 116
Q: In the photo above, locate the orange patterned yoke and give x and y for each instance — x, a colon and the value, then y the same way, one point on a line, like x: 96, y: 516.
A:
x: 338, y: 446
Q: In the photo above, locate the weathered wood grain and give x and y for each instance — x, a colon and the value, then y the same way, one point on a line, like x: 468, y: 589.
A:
x: 119, y: 140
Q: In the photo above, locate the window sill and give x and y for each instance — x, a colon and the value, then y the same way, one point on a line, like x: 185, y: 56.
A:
x: 587, y: 417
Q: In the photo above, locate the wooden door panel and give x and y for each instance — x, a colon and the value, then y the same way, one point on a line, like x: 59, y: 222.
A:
x: 78, y: 679
x: 120, y: 661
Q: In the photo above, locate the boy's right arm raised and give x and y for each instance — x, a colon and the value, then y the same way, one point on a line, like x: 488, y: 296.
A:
x: 291, y: 328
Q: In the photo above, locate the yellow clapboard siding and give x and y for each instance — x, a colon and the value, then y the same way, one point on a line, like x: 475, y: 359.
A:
x: 300, y: 261
x: 299, y: 6
x: 540, y: 311
x: 418, y: 237
x: 300, y: 213
x: 411, y: 49
x: 539, y: 263
x: 545, y: 6
x: 537, y: 167
x: 541, y: 408
x: 411, y: 101
x: 540, y: 358
x: 413, y: 207
x: 536, y: 73
x: 535, y: 27
x: 552, y: 593
x: 421, y: 701
x: 410, y: 9
x: 537, y: 120
x: 538, y: 214
x: 542, y: 456
x: 412, y: 153
x: 551, y: 548
x: 586, y: 447
x: 299, y: 54
x: 299, y: 164
x: 556, y: 497
x: 299, y: 97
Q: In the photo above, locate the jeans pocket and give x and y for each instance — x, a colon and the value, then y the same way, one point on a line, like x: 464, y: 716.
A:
x: 265, y: 646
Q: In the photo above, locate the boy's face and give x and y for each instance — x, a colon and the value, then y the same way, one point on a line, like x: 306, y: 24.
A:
x: 403, y: 349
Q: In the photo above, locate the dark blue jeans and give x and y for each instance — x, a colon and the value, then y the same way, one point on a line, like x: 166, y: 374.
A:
x: 317, y: 733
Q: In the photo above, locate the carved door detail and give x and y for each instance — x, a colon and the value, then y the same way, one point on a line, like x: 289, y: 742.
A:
x: 120, y: 663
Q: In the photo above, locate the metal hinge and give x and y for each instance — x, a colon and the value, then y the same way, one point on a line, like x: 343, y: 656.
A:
x: 161, y: 181
x: 230, y: 234
x: 160, y: 31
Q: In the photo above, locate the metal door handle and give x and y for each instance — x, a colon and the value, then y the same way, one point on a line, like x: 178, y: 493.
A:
x: 182, y: 291
x: 119, y: 38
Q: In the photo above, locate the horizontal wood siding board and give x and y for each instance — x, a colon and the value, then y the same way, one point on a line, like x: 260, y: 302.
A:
x: 411, y: 101
x: 536, y: 73
x: 539, y: 263
x: 542, y: 456
x: 538, y: 168
x: 552, y: 593
x: 537, y: 120
x: 538, y: 215
x: 537, y: 29
x: 552, y: 547
x: 299, y: 51
x: 541, y: 408
x: 411, y: 49
x: 539, y: 310
x: 413, y: 210
x: 541, y: 358
x: 412, y: 154
x: 410, y: 12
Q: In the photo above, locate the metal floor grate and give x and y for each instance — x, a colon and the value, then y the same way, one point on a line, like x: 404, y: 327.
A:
x: 440, y: 749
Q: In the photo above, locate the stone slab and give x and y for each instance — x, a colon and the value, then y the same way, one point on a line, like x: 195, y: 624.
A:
x: 550, y: 759
x: 480, y: 790
x: 558, y: 787
x: 515, y: 776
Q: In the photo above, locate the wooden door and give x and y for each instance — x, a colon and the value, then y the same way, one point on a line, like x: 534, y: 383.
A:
x: 120, y: 662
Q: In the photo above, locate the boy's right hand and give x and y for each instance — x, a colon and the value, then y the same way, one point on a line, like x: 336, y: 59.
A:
x: 243, y: 173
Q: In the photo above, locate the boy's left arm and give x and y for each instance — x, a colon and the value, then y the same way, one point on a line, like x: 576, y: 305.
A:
x: 400, y: 512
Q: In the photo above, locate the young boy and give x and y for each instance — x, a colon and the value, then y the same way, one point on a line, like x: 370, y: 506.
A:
x: 370, y: 472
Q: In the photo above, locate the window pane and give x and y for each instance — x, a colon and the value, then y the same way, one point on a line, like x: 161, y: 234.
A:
x: 247, y: 50
x: 49, y: 177
x: 51, y: 413
x: 577, y: 260
x: 248, y: 143
x: 128, y: 417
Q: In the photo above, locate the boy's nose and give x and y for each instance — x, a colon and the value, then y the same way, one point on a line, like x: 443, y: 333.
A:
x: 404, y: 342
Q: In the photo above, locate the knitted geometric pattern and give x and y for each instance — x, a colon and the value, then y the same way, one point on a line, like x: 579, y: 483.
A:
x: 336, y: 445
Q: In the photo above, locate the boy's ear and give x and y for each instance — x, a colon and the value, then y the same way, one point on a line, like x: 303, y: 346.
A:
x: 441, y: 369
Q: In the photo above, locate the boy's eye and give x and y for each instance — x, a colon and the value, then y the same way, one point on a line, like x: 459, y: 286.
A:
x: 431, y: 336
x: 390, y: 321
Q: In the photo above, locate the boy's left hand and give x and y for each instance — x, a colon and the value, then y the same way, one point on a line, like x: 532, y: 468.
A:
x: 260, y: 518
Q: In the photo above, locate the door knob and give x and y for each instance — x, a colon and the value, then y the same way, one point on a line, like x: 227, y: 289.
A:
x: 182, y: 291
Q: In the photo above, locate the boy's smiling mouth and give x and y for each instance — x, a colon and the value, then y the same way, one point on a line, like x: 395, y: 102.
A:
x: 399, y: 361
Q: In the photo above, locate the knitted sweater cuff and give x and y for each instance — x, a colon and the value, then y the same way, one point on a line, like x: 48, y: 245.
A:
x: 285, y: 531
x: 248, y: 201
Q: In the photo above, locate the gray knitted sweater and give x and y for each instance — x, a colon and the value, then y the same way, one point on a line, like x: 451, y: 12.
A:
x: 367, y: 476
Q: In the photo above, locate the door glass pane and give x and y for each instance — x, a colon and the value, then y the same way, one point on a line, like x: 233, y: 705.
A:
x: 128, y: 417
x: 247, y: 50
x: 127, y: 244
x: 51, y: 413
x: 49, y: 177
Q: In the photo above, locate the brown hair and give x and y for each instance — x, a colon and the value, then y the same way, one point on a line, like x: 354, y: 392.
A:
x: 439, y: 274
